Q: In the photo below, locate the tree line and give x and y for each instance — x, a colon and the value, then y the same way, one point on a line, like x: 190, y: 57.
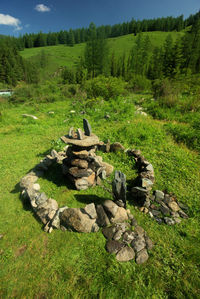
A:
x: 82, y: 35
x: 170, y: 60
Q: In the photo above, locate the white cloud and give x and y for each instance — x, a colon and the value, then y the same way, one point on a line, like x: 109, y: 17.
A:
x: 42, y: 8
x: 10, y: 21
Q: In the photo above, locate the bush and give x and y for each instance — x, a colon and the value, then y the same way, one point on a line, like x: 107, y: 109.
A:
x: 104, y: 87
x: 139, y: 83
x: 166, y: 92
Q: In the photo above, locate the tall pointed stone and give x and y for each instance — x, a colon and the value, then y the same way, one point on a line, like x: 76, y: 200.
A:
x: 87, y: 127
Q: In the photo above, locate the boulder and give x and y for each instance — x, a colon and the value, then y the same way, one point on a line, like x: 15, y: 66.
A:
x: 102, y: 218
x: 108, y: 168
x: 91, y: 211
x: 114, y: 246
x: 110, y: 207
x: 125, y: 254
x: 79, y: 172
x: 79, y: 163
x: 76, y: 220
x: 109, y: 232
x: 142, y: 256
x: 120, y: 216
x: 116, y: 146
x: 85, y: 182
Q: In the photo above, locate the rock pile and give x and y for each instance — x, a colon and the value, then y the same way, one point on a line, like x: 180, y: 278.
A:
x: 162, y: 207
x: 82, y: 165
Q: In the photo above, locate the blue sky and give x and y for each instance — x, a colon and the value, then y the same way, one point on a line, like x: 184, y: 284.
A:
x: 21, y: 16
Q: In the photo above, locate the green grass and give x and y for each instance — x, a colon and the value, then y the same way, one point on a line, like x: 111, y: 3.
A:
x: 73, y: 265
x: 61, y: 55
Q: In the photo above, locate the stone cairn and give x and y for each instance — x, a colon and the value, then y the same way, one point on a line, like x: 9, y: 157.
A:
x: 125, y: 238
x: 82, y: 166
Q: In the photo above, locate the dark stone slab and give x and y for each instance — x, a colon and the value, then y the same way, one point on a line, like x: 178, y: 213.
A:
x: 87, y: 127
x: 119, y: 187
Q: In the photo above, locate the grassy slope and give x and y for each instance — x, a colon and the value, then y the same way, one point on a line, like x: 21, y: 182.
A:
x: 62, y: 55
x: 72, y: 265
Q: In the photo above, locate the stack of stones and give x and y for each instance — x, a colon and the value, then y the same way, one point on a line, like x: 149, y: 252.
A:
x: 81, y: 165
x: 160, y: 206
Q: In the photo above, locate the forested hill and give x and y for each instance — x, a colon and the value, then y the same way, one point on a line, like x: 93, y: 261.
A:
x: 81, y: 35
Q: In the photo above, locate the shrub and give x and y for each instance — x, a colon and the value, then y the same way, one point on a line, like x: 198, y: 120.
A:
x: 139, y: 83
x: 104, y: 87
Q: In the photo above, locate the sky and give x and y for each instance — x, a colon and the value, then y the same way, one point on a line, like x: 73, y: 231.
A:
x: 18, y: 17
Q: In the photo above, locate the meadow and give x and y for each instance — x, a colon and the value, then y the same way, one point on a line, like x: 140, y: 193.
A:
x: 74, y: 265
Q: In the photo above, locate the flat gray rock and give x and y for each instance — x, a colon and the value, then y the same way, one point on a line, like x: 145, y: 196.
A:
x: 86, y: 142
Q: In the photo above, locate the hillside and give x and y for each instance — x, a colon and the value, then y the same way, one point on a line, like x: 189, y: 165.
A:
x: 62, y: 55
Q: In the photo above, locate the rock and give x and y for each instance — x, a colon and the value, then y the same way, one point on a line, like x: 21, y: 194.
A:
x: 114, y: 246
x: 169, y: 221
x: 156, y: 213
x: 81, y: 154
x: 87, y: 127
x: 1, y: 237
x: 134, y: 152
x: 116, y: 146
x: 149, y: 167
x: 102, y: 218
x: 182, y: 206
x: 109, y: 232
x: 80, y: 134
x: 41, y: 198
x: 142, y: 256
x: 183, y: 214
x: 125, y: 254
x: 164, y: 209
x: 71, y: 132
x: 79, y: 163
x: 177, y: 220
x: 85, y: 142
x: 30, y: 116
x: 138, y: 244
x: 76, y: 220
x: 129, y: 236
x: 107, y: 146
x: 28, y: 180
x: 120, y: 216
x: 117, y: 236
x: 110, y: 207
x: 159, y: 195
x: 159, y: 220
x: 91, y: 211
x: 36, y: 187
x: 148, y: 175
x: 56, y: 220
x: 108, y: 168
x: 139, y: 231
x: 79, y: 172
x: 146, y: 183
x: 133, y: 222
x: 106, y: 116
x: 119, y: 187
x: 85, y: 182
x: 149, y: 243
x: 173, y: 206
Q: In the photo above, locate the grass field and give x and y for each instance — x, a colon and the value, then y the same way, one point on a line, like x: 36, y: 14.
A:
x: 62, y: 55
x: 34, y: 264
